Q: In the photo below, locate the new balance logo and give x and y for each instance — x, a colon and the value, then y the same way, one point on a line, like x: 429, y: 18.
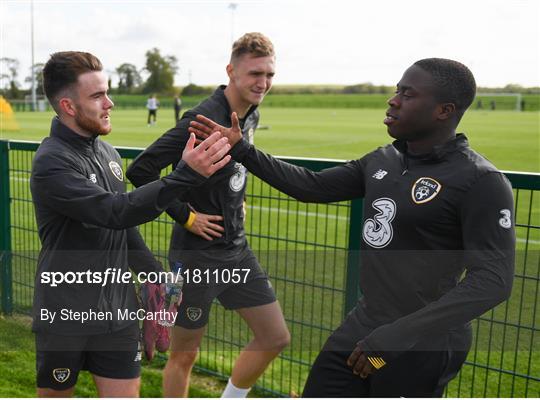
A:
x: 379, y: 174
x: 377, y: 362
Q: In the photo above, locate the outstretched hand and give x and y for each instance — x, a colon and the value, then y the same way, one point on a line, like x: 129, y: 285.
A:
x: 204, y: 126
x: 209, y: 156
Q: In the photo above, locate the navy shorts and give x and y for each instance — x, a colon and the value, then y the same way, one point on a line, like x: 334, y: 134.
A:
x: 114, y: 355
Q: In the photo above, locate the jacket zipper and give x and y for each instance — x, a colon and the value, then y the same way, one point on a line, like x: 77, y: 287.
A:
x: 106, y: 182
x: 96, y: 160
x: 405, y: 164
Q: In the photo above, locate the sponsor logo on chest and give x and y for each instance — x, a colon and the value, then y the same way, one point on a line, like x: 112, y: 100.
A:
x: 425, y: 189
x: 506, y: 220
x: 381, y: 173
x: 238, y: 179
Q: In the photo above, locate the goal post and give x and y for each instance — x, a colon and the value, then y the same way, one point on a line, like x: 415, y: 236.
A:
x: 41, y: 102
x: 495, y: 101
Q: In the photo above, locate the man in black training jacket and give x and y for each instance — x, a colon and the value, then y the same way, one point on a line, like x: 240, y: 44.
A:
x: 87, y: 227
x: 433, y: 208
x: 208, y: 238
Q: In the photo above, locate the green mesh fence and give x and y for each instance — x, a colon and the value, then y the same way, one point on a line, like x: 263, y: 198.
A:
x: 310, y: 254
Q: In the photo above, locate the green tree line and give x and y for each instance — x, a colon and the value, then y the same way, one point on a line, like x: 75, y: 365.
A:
x: 161, y: 70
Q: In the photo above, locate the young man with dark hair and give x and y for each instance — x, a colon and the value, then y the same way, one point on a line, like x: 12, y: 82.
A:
x: 208, y: 236
x: 433, y: 208
x: 87, y: 227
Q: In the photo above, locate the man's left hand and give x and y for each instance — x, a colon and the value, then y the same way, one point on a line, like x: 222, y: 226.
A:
x: 359, y: 363
x: 207, y: 157
x: 204, y: 126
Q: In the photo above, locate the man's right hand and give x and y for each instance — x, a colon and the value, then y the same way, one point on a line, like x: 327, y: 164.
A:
x: 204, y: 226
x: 209, y: 156
x: 204, y: 126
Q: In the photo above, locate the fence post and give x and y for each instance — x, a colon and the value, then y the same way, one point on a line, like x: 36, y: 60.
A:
x: 352, y: 290
x: 5, y: 230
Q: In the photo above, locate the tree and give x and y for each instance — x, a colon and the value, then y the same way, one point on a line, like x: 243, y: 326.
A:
x: 12, y: 65
x: 38, y: 75
x: 194, y: 90
x: 513, y: 88
x: 128, y: 78
x: 162, y: 71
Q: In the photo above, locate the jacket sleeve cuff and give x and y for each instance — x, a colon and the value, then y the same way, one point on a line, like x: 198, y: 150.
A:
x: 190, y: 220
x: 178, y: 182
x: 377, y: 357
x: 179, y: 211
x: 184, y: 172
x: 240, y: 150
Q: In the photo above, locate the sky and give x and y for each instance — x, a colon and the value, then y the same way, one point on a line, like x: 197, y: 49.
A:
x: 316, y: 42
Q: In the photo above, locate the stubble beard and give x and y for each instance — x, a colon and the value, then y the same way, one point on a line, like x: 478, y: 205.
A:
x: 90, y: 125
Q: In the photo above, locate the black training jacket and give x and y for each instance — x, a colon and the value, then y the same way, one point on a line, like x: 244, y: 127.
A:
x: 426, y: 220
x: 222, y: 194
x: 87, y: 221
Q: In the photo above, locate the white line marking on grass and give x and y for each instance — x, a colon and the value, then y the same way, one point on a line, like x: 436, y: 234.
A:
x: 522, y: 240
x: 303, y: 213
x: 340, y: 217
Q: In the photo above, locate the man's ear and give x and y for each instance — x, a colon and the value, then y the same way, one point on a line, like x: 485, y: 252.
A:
x: 229, y: 70
x: 67, y: 106
x: 446, y: 111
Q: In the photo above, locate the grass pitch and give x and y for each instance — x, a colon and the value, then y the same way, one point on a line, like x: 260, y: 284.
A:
x: 509, y: 139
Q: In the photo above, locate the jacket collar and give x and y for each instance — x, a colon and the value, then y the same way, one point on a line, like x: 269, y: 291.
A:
x: 62, y: 132
x: 438, y: 152
x: 219, y: 95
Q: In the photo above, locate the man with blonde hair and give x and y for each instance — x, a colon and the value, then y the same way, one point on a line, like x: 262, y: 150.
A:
x: 208, y: 237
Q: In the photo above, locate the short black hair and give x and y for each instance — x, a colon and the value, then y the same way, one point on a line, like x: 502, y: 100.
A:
x: 454, y: 81
x: 63, y: 70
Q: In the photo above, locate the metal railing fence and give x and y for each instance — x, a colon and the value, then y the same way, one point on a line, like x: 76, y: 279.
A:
x: 310, y: 252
